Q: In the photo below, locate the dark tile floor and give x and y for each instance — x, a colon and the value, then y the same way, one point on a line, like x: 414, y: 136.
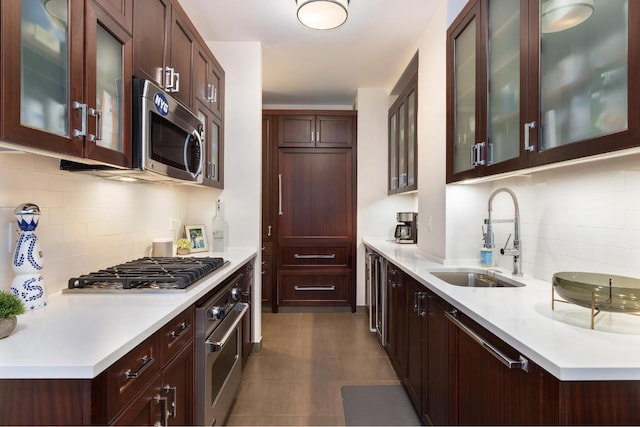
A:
x: 305, y: 360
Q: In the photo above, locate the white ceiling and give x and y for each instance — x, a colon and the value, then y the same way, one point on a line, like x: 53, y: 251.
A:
x: 311, y: 67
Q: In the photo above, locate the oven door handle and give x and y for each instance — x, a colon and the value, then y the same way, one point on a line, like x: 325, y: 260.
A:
x: 213, y: 346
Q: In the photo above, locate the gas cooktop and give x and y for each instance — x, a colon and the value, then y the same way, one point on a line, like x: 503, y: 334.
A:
x: 148, y: 275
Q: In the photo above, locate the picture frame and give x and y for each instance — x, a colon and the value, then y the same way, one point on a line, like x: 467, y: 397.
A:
x: 197, y: 234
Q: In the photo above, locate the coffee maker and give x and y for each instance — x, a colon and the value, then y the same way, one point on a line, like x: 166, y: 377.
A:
x: 407, y: 231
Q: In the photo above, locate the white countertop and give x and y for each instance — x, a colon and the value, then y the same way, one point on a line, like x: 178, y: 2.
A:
x: 561, y: 341
x: 80, y: 335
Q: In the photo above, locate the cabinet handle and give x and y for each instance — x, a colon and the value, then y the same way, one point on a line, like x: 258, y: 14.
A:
x: 312, y: 138
x: 174, y: 398
x: 522, y: 363
x: 183, y: 327
x: 213, y: 93
x: 146, y: 362
x: 280, y: 194
x: 269, y: 231
x: 196, y: 135
x: 98, y: 115
x: 318, y: 136
x: 169, y: 78
x: 314, y: 288
x: 527, y: 143
x: 162, y: 401
x: 314, y: 256
x: 83, y: 114
x: 476, y: 154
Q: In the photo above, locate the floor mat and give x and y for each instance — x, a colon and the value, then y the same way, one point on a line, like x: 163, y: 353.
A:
x: 378, y: 405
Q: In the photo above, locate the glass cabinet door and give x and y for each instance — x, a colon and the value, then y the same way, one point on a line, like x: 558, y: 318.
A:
x: 584, y: 75
x: 503, y: 121
x: 464, y: 71
x: 108, y: 57
x: 393, y: 152
x: 211, y: 138
x: 402, y: 145
x: 109, y: 90
x: 411, y: 139
x: 44, y: 66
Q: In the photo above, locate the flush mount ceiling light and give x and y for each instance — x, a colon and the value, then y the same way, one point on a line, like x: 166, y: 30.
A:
x: 559, y: 15
x: 322, y: 14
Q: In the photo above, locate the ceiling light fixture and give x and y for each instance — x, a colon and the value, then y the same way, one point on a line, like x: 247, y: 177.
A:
x: 322, y: 14
x: 560, y: 15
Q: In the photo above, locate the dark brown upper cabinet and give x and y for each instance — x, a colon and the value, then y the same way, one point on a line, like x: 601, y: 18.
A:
x: 331, y: 130
x: 66, y: 79
x: 522, y: 93
x: 403, y: 140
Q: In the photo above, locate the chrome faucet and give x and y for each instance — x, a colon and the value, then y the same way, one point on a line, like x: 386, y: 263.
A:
x: 515, y: 251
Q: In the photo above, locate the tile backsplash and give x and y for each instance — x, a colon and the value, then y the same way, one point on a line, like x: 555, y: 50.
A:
x: 86, y: 222
x: 576, y: 218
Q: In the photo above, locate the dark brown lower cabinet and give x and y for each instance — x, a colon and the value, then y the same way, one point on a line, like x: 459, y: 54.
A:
x: 455, y: 371
x: 414, y: 378
x: 396, y: 315
x: 484, y: 390
x: 436, y: 392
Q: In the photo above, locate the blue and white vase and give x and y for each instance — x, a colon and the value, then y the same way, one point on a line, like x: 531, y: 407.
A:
x: 27, y: 263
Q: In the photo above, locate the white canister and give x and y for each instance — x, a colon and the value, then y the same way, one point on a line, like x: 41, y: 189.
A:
x: 162, y: 247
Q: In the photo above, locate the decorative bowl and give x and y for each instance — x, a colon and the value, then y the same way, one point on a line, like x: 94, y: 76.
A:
x: 608, y: 292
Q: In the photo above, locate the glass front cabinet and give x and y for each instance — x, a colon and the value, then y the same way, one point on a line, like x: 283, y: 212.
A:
x: 66, y: 70
x: 403, y: 140
x: 537, y: 82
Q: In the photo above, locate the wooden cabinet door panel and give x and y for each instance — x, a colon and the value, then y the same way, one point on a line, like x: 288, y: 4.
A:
x: 145, y: 409
x: 177, y: 387
x: 120, y: 10
x: 182, y: 43
x: 297, y: 131
x: 151, y: 22
x: 334, y: 131
x: 316, y: 194
x: 309, y: 288
x: 396, y: 319
x: 436, y: 402
x: 415, y: 345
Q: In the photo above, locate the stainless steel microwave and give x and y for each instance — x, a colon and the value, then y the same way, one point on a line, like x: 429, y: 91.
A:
x: 167, y: 133
x: 166, y: 141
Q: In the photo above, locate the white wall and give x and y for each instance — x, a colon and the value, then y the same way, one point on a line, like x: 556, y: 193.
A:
x: 241, y: 199
x: 376, y: 211
x: 432, y: 135
x: 86, y: 222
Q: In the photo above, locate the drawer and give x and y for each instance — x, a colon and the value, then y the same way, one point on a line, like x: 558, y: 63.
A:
x: 130, y: 375
x: 314, y: 289
x: 176, y: 334
x: 334, y: 256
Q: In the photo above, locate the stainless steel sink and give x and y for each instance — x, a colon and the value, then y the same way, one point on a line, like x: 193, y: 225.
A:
x: 475, y: 279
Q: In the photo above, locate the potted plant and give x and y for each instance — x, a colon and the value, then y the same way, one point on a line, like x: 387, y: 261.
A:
x: 10, y: 307
x: 183, y: 246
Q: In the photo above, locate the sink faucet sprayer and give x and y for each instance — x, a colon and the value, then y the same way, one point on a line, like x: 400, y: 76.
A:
x: 516, y: 251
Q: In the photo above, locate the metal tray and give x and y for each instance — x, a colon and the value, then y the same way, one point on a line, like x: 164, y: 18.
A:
x: 604, y: 292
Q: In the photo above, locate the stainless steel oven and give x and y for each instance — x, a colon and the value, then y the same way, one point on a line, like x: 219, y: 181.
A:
x: 218, y: 359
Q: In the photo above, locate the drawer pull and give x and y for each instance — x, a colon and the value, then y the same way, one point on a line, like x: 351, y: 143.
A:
x: 146, y: 362
x: 184, y: 327
x: 314, y: 288
x: 522, y: 363
x: 314, y: 256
